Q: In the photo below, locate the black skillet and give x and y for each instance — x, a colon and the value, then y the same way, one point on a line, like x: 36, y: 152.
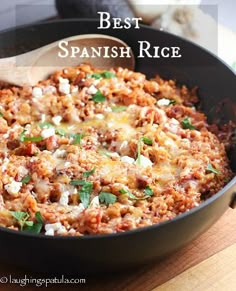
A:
x: 217, y: 89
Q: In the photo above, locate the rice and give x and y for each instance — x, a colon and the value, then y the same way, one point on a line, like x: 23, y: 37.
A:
x: 118, y: 153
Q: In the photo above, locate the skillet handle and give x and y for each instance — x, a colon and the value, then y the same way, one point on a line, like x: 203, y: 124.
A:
x: 233, y: 202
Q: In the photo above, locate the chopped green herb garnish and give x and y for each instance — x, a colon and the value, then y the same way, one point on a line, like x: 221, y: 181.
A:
x: 106, y: 75
x: 96, y: 76
x: 187, y: 124
x: 85, y: 190
x: 148, y: 191
x: 39, y: 217
x: 85, y: 193
x: 60, y: 132
x: 123, y: 191
x: 209, y: 168
x: 1, y: 115
x: 130, y: 195
x: 28, y: 138
x: 98, y: 97
x: 118, y: 108
x: 33, y: 138
x: 21, y: 217
x: 77, y: 137
x: 22, y: 135
x: 77, y: 182
x: 36, y: 226
x: 172, y: 102
x: 105, y: 153
x: 26, y: 179
x: 89, y: 173
x: 29, y: 223
x: 147, y: 140
x: 45, y: 125
x: 107, y: 198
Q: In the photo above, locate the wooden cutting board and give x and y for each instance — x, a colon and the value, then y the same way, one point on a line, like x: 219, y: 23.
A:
x: 207, y: 264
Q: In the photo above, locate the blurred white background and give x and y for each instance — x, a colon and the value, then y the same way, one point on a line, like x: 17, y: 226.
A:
x: 226, y: 12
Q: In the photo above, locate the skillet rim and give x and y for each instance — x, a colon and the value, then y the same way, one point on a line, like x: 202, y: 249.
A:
x: 227, y: 187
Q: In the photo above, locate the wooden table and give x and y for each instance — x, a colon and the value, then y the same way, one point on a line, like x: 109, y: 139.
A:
x: 207, y: 264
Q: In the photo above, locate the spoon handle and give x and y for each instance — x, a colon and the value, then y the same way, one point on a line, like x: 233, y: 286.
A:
x: 36, y: 65
x: 11, y: 72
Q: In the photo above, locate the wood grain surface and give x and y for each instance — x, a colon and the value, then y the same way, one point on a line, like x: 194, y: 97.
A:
x: 215, y: 273
x: 208, y: 263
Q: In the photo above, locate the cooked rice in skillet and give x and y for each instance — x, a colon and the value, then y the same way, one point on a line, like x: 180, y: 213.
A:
x: 95, y: 152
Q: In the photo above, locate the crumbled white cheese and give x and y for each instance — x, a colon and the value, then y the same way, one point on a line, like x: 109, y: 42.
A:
x: 72, y: 230
x: 100, y: 116
x: 173, y: 125
x: 28, y: 127
x: 64, y: 86
x: 63, y: 80
x: 47, y: 132
x: 43, y: 117
x: 37, y: 92
x: 144, y: 162
x: 67, y: 164
x: 170, y: 143
x: 6, y: 135
x: 92, y: 90
x: 126, y: 159
x: 95, y: 202
x: 186, y: 142
x: 108, y: 109
x: 64, y: 199
x: 114, y: 155
x: 76, y: 210
x: 49, y: 89
x: 74, y: 89
x: 22, y: 171
x: 59, y: 153
x: 57, y: 119
x: 123, y: 145
x: 13, y: 188
x: 163, y: 102
x: 110, y: 124
x: 50, y: 232
x: 54, y: 227
x: 174, y: 121
x: 95, y: 82
x: 33, y: 159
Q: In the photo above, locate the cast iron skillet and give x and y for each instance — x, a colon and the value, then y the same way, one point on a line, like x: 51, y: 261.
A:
x: 217, y: 89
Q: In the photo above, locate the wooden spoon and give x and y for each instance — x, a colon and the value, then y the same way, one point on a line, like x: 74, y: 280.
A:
x: 36, y: 65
